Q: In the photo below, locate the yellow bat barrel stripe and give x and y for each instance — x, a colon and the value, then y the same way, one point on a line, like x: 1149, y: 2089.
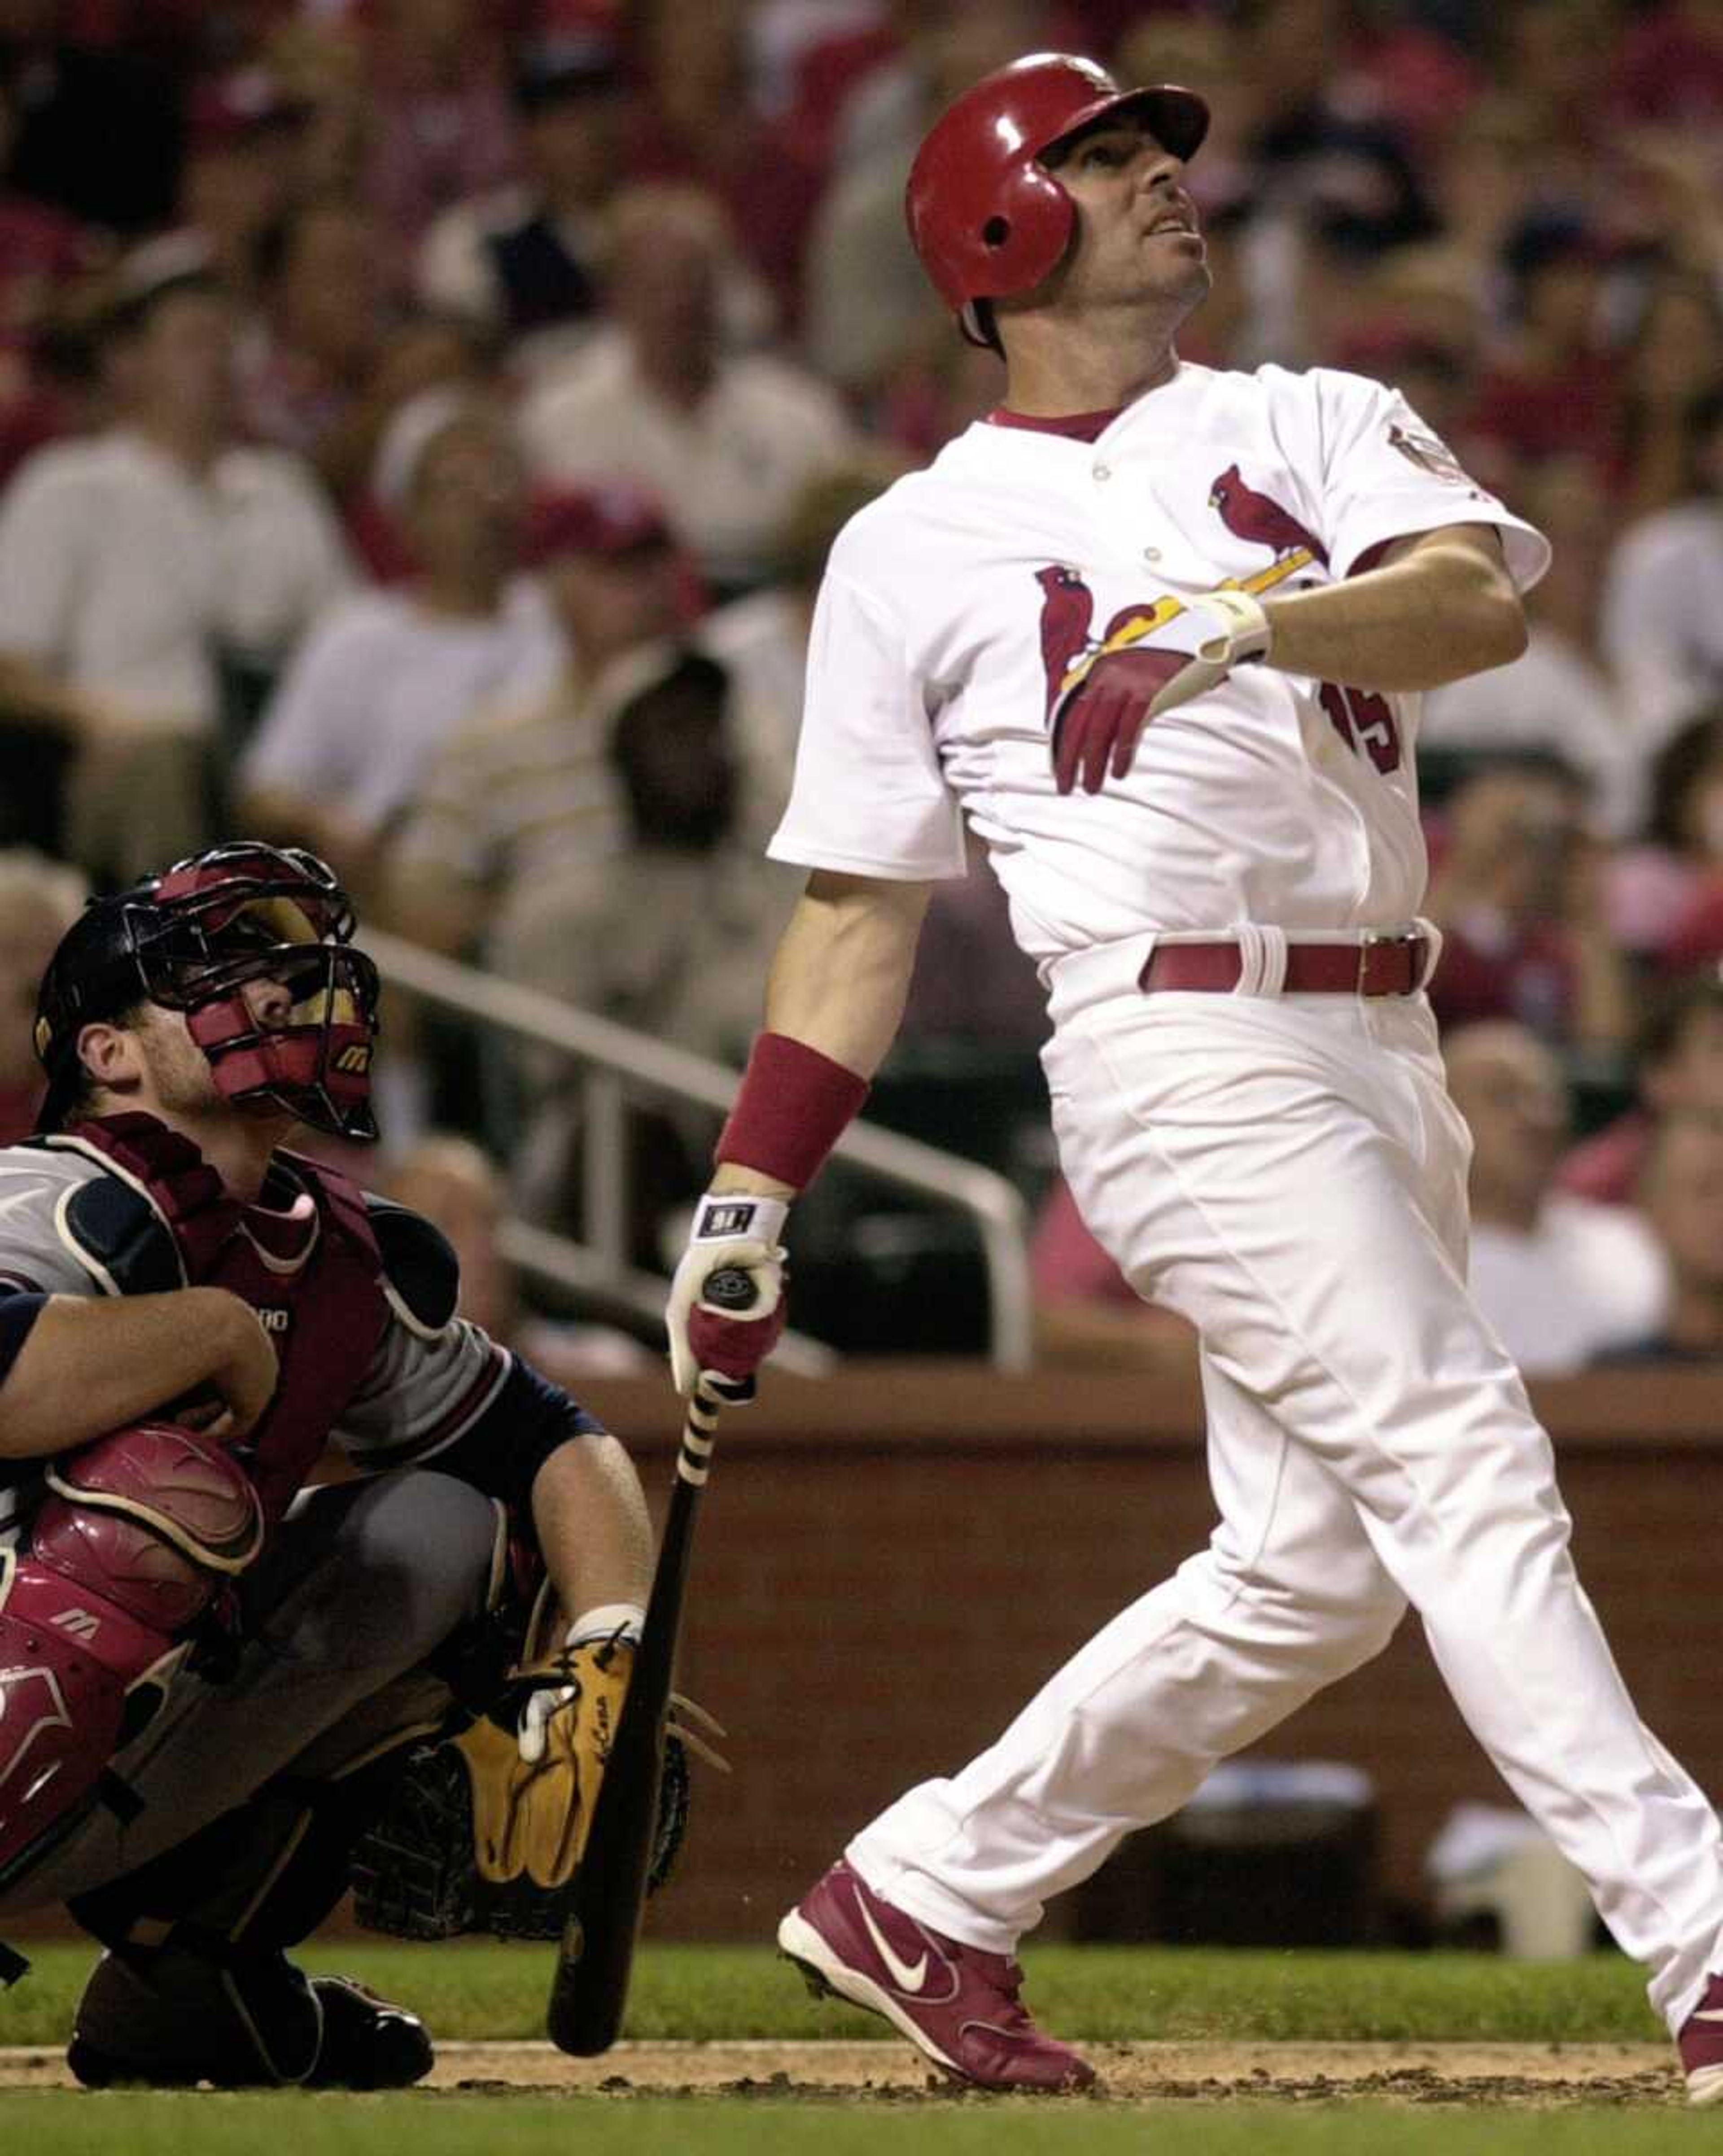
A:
x: 1168, y: 609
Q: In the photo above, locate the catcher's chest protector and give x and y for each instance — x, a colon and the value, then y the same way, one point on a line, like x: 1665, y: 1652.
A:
x: 316, y: 1282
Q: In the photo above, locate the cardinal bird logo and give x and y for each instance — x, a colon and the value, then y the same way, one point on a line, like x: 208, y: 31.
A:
x: 1067, y: 609
x: 1259, y: 521
x: 1070, y: 651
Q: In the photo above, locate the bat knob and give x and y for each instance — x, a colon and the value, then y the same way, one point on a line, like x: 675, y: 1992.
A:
x: 728, y: 1288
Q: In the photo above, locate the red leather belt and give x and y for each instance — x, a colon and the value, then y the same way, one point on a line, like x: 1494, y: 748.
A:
x: 1373, y: 966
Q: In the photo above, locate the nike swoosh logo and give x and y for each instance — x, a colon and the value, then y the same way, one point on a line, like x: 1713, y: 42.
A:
x: 1701, y: 2014
x: 907, y: 1979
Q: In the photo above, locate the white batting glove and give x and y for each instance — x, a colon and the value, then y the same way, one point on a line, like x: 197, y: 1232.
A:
x: 1239, y: 630
x: 733, y: 1233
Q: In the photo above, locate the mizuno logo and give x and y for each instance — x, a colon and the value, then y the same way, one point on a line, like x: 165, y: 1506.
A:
x: 78, y: 1622
x: 907, y: 1979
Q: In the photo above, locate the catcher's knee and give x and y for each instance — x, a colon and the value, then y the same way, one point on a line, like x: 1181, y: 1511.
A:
x: 427, y: 1551
x: 141, y: 1534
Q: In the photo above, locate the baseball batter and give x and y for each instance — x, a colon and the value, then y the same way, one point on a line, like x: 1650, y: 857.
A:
x: 213, y: 1679
x: 1158, y: 633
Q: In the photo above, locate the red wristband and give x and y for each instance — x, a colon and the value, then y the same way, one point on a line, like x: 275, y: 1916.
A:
x: 793, y: 1106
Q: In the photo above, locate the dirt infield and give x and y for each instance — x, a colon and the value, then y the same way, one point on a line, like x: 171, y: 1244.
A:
x: 1530, y: 2075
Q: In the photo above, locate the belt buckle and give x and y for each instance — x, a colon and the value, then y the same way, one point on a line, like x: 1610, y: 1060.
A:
x: 1373, y: 939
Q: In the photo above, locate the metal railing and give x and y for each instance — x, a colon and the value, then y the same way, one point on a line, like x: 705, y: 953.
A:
x: 617, y: 1064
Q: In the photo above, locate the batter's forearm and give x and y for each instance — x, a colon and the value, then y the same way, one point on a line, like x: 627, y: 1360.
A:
x: 838, y: 982
x: 1445, y: 609
x: 842, y: 972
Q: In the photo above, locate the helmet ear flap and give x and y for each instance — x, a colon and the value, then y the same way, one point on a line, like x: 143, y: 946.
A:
x: 1023, y: 238
x: 986, y: 228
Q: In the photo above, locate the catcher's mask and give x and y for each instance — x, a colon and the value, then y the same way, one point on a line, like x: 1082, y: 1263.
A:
x: 190, y: 941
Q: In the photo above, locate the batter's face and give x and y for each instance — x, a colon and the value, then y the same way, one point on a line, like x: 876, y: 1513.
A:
x: 1138, y: 242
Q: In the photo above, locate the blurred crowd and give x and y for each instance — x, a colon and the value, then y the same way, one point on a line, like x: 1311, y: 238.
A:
x: 422, y: 423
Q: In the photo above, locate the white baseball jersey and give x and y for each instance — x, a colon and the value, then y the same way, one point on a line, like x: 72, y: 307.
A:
x: 955, y: 607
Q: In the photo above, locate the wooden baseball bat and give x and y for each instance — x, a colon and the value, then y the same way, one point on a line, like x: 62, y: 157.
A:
x: 589, y: 1990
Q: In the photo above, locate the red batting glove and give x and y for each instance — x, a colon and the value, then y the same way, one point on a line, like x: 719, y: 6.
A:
x: 734, y: 1347
x: 1095, y: 729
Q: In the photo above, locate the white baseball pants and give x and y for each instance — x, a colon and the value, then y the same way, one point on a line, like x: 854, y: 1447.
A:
x: 1289, y: 1174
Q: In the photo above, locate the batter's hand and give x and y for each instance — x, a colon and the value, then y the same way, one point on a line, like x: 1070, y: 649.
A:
x: 735, y: 1233
x: 1097, y: 725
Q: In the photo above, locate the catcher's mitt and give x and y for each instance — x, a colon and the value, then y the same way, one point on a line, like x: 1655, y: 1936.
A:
x: 415, y: 1873
x: 537, y: 1757
x: 484, y: 1830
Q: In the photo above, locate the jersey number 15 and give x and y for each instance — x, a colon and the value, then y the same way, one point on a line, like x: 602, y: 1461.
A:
x: 1364, y: 722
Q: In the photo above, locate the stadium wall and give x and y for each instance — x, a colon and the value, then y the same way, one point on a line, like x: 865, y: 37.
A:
x: 890, y: 1561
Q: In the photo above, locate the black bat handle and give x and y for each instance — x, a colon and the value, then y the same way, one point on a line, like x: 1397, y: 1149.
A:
x: 729, y: 1287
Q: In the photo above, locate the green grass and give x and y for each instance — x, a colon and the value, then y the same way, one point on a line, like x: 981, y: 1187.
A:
x: 478, y: 1988
x: 209, y: 2125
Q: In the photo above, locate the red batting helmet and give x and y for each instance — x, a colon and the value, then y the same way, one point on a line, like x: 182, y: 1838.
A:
x: 988, y: 220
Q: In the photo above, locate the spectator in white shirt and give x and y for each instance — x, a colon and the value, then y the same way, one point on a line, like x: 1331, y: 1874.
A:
x: 387, y: 676
x: 725, y: 439
x: 1663, y: 604
x: 147, y: 567
x: 1558, y: 695
x: 520, y: 797
x: 1562, y: 1279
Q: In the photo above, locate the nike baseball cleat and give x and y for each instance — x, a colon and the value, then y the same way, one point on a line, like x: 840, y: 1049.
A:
x: 1701, y: 2044
x: 956, y: 2004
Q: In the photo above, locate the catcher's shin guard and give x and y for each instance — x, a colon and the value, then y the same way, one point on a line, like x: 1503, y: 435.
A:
x: 139, y: 1533
x: 196, y: 1985
x: 262, y: 1876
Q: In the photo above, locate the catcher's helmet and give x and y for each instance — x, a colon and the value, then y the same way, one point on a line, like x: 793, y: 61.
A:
x: 987, y: 219
x: 190, y: 939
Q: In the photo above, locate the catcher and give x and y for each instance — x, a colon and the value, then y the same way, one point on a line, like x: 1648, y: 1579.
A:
x: 215, y: 1681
